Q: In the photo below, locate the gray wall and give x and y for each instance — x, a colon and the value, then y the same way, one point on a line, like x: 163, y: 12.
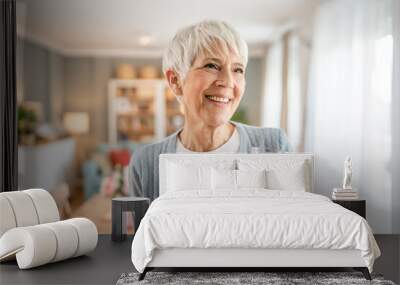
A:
x: 56, y: 87
x: 42, y: 72
x: 36, y: 76
x: 252, y: 95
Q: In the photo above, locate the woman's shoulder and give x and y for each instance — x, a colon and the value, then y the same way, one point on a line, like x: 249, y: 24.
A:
x: 151, y: 150
x: 256, y: 131
x: 273, y: 139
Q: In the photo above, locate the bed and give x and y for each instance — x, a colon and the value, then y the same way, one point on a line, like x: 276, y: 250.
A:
x: 246, y: 211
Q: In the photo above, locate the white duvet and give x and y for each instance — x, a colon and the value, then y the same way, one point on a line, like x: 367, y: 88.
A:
x: 251, y: 218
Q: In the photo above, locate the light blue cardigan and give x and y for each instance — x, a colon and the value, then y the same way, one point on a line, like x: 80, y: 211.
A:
x: 143, y: 167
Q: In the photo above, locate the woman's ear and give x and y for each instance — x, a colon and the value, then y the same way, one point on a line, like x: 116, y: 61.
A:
x: 173, y: 81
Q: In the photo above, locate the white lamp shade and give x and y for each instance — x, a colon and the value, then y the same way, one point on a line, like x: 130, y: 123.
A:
x: 76, y: 122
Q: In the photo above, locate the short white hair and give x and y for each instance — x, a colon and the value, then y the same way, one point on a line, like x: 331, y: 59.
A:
x: 190, y: 41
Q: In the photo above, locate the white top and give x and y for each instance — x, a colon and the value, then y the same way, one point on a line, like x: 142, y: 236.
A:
x: 231, y: 146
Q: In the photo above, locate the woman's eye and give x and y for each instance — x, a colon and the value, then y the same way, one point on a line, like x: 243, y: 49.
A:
x: 239, y: 70
x: 212, y: 65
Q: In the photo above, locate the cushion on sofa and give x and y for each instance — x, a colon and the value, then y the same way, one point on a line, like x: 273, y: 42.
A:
x: 120, y: 157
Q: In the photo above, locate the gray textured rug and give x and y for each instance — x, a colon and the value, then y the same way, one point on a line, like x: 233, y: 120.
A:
x: 229, y: 278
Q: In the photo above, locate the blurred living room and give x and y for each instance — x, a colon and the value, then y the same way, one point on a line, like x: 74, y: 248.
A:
x: 91, y: 91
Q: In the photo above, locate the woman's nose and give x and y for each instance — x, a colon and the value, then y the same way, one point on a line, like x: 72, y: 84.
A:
x: 225, y: 79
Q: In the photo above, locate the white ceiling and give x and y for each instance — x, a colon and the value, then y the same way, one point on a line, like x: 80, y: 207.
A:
x: 115, y: 27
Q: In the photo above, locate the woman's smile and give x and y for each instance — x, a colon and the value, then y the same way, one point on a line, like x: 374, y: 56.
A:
x: 220, y: 101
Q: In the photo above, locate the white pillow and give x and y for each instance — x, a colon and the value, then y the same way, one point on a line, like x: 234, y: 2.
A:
x: 282, y: 174
x: 183, y: 177
x: 236, y: 179
x: 288, y: 178
x: 224, y: 179
x: 251, y: 178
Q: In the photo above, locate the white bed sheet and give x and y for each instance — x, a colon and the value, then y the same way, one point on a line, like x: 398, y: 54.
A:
x: 251, y: 218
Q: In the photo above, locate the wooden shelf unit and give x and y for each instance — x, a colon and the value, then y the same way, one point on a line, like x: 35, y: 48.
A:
x: 142, y: 110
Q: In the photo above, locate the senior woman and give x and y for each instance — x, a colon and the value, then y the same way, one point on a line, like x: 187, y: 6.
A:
x: 205, y: 67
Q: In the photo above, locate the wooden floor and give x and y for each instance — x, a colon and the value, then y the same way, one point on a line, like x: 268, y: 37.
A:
x: 98, y: 210
x: 77, y: 198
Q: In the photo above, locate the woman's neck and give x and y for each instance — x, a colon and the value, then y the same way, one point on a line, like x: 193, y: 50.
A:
x: 202, y: 138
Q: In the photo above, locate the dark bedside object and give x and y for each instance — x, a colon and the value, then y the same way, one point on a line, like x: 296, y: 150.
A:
x: 137, y: 205
x: 357, y: 206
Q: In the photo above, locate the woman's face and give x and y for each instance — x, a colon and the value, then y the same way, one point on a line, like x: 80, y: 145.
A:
x: 213, y: 88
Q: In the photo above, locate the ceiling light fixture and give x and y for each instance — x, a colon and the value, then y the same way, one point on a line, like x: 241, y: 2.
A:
x: 145, y: 40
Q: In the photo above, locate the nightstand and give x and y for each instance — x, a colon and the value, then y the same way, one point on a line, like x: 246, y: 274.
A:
x: 137, y: 205
x: 357, y: 206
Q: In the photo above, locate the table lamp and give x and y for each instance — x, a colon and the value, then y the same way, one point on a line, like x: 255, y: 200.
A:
x: 76, y: 123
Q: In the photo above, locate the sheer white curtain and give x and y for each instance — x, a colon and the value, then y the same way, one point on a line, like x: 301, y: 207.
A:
x: 283, y: 96
x: 350, y: 96
x: 272, y: 97
x: 395, y: 165
x: 297, y: 65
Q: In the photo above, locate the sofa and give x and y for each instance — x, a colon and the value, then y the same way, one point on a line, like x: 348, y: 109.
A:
x: 101, y: 164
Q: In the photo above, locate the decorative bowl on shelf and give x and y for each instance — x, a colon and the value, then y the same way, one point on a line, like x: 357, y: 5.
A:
x: 125, y: 71
x: 149, y: 72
